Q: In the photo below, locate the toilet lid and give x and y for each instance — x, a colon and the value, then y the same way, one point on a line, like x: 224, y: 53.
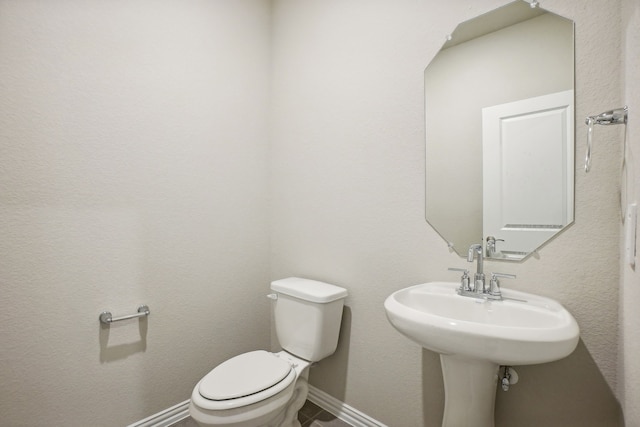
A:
x: 244, y: 375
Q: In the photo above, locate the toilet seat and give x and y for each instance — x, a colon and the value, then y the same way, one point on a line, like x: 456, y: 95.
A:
x: 245, y: 379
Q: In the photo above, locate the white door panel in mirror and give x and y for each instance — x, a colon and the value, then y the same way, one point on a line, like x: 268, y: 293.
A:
x: 527, y: 172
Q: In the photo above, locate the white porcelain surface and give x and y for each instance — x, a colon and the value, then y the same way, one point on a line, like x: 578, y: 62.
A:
x: 274, y: 408
x: 307, y: 316
x: 246, y: 378
x: 522, y: 329
x: 261, y: 389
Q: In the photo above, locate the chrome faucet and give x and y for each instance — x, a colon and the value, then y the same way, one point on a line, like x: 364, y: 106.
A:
x: 479, y: 288
x: 478, y: 278
x: 491, y: 246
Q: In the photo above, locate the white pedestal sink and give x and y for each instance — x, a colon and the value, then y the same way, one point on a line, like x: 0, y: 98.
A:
x: 475, y: 336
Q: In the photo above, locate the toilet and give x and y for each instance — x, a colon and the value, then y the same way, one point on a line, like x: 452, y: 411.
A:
x: 264, y: 389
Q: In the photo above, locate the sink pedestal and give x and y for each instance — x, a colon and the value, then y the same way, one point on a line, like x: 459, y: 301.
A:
x: 469, y: 391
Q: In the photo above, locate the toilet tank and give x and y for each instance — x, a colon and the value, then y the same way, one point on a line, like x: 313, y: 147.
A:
x: 307, y: 316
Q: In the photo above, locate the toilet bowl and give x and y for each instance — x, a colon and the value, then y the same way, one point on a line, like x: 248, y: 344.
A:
x: 263, y: 389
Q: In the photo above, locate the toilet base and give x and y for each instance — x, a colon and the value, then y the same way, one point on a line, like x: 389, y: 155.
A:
x: 289, y: 416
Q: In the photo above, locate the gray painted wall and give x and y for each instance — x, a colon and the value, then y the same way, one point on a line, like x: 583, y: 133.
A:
x: 149, y: 155
x: 348, y: 204
x: 133, y: 154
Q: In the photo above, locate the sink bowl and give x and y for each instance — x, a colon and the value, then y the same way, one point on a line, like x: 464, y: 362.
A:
x: 474, y: 336
x: 521, y: 329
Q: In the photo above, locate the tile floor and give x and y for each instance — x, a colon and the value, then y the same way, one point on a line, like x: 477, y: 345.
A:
x: 311, y: 415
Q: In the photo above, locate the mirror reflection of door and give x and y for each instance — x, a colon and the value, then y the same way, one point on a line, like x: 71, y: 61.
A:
x: 507, y: 55
x: 527, y: 171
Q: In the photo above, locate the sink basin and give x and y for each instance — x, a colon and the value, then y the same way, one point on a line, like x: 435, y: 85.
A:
x: 474, y: 336
x: 521, y: 329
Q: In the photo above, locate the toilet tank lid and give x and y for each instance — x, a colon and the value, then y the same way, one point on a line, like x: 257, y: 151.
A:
x: 309, y: 290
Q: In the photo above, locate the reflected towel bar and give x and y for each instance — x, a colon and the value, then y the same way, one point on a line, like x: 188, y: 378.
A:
x: 106, y: 317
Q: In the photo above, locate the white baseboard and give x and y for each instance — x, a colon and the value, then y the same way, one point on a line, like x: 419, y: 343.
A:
x: 346, y: 413
x: 165, y: 418
x: 341, y: 410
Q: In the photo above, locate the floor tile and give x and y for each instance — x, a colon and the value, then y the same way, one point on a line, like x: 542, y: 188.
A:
x: 310, y: 409
x: 327, y: 419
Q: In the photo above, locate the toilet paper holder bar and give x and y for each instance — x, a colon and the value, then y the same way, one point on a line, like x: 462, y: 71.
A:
x: 106, y: 317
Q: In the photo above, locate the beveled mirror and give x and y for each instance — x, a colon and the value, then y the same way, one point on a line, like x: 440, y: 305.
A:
x: 500, y: 131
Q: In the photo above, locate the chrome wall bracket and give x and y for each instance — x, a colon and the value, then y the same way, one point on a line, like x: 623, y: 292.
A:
x: 611, y: 117
x: 106, y: 318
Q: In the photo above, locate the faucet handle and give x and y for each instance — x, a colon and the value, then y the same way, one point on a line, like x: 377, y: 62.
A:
x: 494, y: 283
x: 464, y: 280
x: 503, y: 275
